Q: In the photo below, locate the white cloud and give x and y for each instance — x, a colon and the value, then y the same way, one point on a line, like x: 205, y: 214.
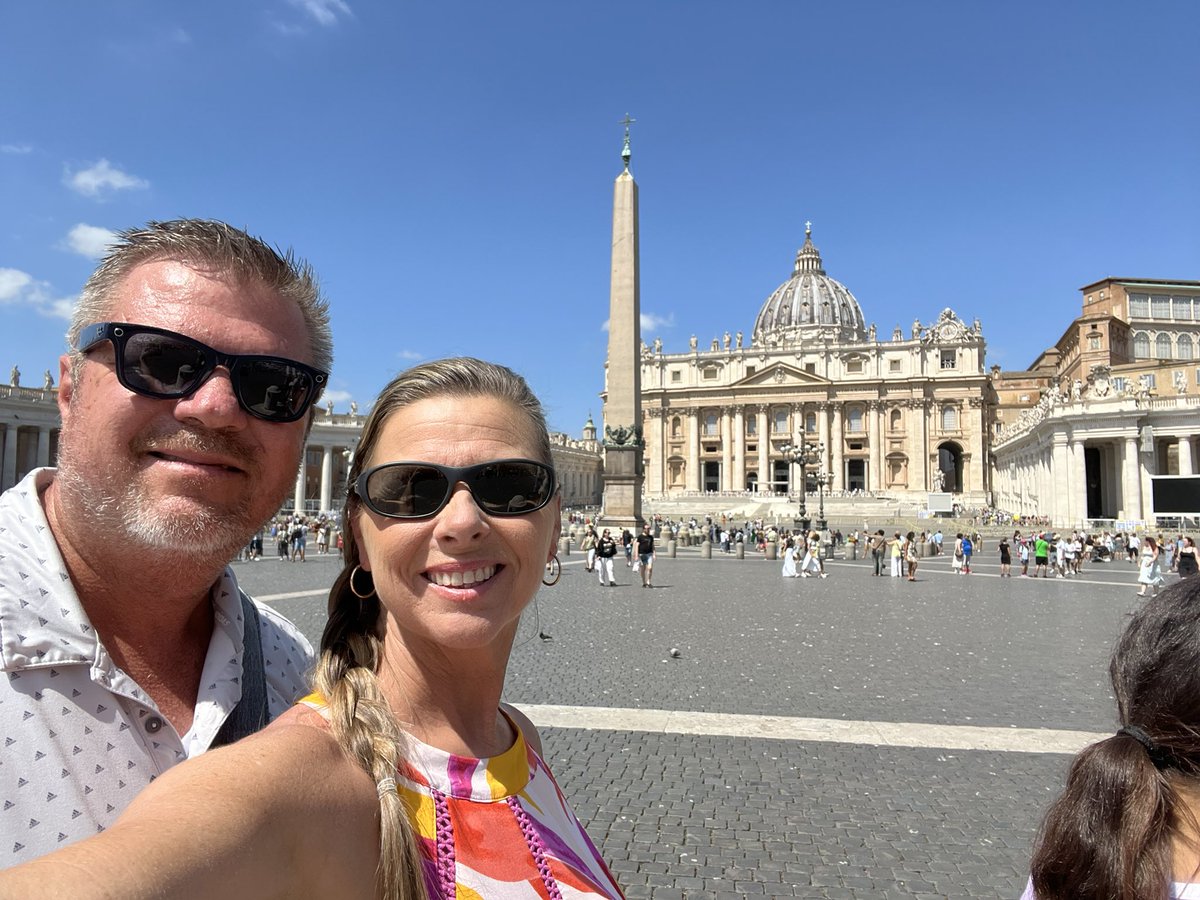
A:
x: 411, y: 355
x: 19, y: 288
x: 102, y: 179
x: 89, y: 240
x: 338, y: 397
x: 16, y: 148
x: 179, y: 36
x: 325, y: 12
x: 649, y: 322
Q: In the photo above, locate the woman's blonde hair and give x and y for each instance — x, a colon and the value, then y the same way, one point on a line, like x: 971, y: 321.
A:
x: 352, y: 645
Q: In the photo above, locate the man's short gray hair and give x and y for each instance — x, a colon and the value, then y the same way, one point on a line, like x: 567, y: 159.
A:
x: 208, y: 243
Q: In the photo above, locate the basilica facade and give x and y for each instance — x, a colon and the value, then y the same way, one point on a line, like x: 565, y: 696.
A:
x: 898, y: 415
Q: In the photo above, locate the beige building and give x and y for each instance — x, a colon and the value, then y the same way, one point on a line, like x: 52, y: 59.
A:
x: 902, y: 415
x: 1112, y: 405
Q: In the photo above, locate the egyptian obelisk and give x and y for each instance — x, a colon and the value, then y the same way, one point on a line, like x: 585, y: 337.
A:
x: 623, y: 476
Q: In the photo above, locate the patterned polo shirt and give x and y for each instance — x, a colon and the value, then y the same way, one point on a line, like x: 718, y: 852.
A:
x: 80, y: 737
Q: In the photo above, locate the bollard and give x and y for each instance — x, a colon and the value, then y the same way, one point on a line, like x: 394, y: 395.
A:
x: 854, y: 550
x: 564, y: 546
x: 671, y: 545
x: 772, y: 550
x: 741, y: 550
x: 706, y: 550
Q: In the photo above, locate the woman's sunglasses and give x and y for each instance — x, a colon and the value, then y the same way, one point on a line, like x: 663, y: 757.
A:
x: 417, y: 490
x: 157, y: 363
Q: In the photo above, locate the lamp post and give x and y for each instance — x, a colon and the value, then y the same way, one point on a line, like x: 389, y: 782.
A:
x: 824, y: 480
x: 808, y: 453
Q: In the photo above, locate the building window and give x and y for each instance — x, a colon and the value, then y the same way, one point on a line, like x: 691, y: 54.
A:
x: 854, y: 366
x: 750, y: 370
x: 711, y: 372
x: 810, y: 368
x: 1160, y: 307
x: 810, y: 423
x: 893, y: 365
x: 676, y: 375
x: 752, y: 425
x: 949, y: 418
x: 1162, y: 347
x: 1093, y: 342
x: 949, y: 359
x: 854, y: 419
x: 1183, y: 347
x: 1181, y: 308
x: 1141, y: 345
x: 1151, y: 380
x: 1118, y: 384
x: 1139, y: 306
x: 780, y: 422
x: 711, y: 429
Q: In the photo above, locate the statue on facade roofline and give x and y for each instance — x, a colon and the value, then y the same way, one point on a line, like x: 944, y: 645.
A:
x: 353, y: 408
x: 739, y: 340
x: 1179, y: 380
x: 49, y: 383
x: 14, y: 377
x: 692, y: 342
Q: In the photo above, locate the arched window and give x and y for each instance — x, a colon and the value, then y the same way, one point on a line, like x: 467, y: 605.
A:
x: 751, y: 425
x: 1183, y: 347
x: 810, y: 423
x: 949, y: 418
x: 854, y: 419
x: 780, y: 421
x: 895, y: 420
x: 1162, y: 346
x: 711, y: 429
x: 1141, y: 345
x: 676, y: 427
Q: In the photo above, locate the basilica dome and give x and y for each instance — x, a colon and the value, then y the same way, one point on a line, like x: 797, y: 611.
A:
x: 809, y: 306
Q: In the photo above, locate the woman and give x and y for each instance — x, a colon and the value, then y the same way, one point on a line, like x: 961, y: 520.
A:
x: 1186, y: 564
x: 404, y: 774
x: 1005, y: 559
x: 811, y: 564
x: 589, y: 547
x: 910, y: 555
x: 789, y: 559
x: 1125, y: 827
x: 1150, y: 567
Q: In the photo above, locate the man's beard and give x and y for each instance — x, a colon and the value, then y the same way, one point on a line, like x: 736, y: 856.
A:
x: 116, y: 501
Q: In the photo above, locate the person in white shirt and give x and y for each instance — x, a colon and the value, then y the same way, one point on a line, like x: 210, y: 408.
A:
x: 197, y: 352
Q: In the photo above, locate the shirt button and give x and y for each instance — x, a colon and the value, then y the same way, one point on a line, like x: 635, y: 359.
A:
x: 153, y: 725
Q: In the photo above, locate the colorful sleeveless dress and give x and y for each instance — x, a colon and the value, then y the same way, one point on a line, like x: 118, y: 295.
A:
x: 499, y: 828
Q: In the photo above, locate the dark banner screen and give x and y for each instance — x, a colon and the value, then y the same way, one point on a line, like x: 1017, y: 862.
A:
x: 1178, y: 494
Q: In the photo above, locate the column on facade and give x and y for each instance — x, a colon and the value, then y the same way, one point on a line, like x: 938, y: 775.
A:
x: 1061, y: 471
x: 298, y: 496
x: 975, y: 477
x: 656, y: 441
x: 1131, y: 480
x: 726, y: 449
x: 919, y: 480
x: 764, y: 446
x: 693, y: 459
x: 837, y: 448
x: 823, y: 432
x: 43, y: 447
x: 326, y: 478
x: 875, y: 446
x: 739, y: 448
x: 1186, y: 464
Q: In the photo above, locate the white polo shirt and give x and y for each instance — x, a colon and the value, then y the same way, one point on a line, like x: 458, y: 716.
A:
x: 80, y: 737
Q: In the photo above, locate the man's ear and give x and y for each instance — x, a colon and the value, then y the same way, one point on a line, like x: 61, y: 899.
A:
x: 66, y: 386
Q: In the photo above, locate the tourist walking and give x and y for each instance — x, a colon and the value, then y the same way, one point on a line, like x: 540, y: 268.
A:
x: 645, y: 551
x: 1005, y: 559
x: 968, y: 548
x: 1150, y: 567
x: 878, y: 546
x: 606, y: 549
x: 588, y: 546
x: 789, y: 559
x: 910, y: 556
x: 1185, y: 563
x: 1041, y: 555
x: 897, y: 555
x: 812, y: 557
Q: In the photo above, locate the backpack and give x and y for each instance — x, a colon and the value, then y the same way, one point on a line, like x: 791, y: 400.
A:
x: 966, y: 546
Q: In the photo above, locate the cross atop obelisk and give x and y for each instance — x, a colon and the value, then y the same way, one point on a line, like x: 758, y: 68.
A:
x: 622, y: 505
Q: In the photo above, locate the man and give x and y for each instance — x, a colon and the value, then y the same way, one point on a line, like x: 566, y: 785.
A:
x: 645, y: 549
x: 196, y: 354
x: 606, y: 549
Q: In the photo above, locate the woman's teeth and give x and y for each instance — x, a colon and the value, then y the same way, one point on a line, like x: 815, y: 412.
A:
x: 461, y: 579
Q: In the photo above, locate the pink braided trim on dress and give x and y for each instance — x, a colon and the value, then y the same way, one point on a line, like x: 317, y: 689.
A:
x: 536, y: 848
x: 444, y: 830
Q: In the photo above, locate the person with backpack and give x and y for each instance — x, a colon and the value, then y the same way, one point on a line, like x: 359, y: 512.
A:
x: 968, y: 547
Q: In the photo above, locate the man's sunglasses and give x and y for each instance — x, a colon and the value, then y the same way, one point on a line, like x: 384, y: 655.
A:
x: 417, y: 490
x: 157, y: 363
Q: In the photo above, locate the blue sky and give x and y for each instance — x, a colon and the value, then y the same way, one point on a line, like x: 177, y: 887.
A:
x: 447, y: 167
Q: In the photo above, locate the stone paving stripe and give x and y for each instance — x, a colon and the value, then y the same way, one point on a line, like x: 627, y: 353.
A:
x: 840, y: 731
x: 293, y: 595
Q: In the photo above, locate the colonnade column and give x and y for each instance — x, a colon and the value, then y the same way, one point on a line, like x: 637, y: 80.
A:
x: 1185, y: 456
x: 298, y: 496
x: 43, y: 447
x: 1131, y: 480
x: 326, y: 478
x: 739, y: 449
x: 823, y: 432
x: 764, y: 445
x: 693, y: 459
x: 920, y: 478
x: 1060, y: 466
x: 8, y: 472
x: 1077, y: 508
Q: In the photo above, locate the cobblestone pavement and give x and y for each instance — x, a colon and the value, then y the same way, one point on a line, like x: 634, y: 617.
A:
x: 705, y: 815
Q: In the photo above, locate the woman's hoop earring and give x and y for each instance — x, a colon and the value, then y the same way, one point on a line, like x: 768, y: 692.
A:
x: 555, y: 568
x: 370, y: 593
